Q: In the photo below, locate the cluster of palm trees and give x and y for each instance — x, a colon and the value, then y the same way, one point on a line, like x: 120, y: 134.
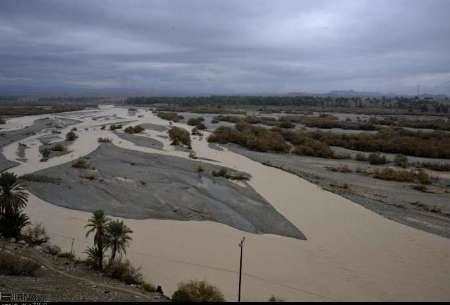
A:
x: 109, y: 234
x: 13, y: 199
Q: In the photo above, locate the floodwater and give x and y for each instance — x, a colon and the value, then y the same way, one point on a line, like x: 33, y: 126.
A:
x: 351, y: 253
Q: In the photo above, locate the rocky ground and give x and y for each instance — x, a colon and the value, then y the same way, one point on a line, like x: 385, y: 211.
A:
x: 140, y: 185
x: 428, y: 211
x: 62, y: 279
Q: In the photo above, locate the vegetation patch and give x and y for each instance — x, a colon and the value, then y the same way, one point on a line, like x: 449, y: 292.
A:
x: 124, y: 272
x: 442, y: 167
x: 35, y: 235
x: 223, y: 172
x: 397, y: 141
x: 197, y: 291
x: 195, y: 121
x: 104, y: 140
x: 402, y: 175
x: 135, y: 129
x: 115, y: 126
x: 81, y: 163
x: 71, y: 136
x: 170, y: 116
x: 179, y: 136
x: 11, y: 264
x: 251, y: 137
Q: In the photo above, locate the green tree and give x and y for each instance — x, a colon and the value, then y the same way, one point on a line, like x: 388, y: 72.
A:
x: 12, y: 225
x: 117, y: 238
x: 13, y: 197
x: 97, y: 224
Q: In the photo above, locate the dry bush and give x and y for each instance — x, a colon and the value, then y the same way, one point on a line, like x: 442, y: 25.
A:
x: 341, y: 169
x: 35, y: 235
x: 402, y: 175
x: 11, y: 264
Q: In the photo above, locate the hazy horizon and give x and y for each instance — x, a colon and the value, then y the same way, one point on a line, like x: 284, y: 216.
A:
x: 223, y: 47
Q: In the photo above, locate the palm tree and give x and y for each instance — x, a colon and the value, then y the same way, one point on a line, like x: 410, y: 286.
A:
x: 117, y: 238
x: 12, y: 225
x: 13, y: 196
x: 97, y: 223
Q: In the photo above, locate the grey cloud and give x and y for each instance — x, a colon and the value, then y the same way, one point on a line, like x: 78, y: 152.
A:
x: 223, y: 47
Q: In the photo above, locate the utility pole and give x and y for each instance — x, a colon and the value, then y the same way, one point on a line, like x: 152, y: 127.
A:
x: 71, y: 246
x: 241, y: 245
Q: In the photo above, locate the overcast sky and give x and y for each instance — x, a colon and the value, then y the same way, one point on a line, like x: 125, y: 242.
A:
x: 224, y: 47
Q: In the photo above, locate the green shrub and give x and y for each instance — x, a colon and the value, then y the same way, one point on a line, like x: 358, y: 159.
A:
x: 170, y: 116
x: 45, y: 152
x: 71, y: 136
x: 275, y: 299
x: 220, y: 173
x: 195, y: 121
x: 179, y: 136
x: 115, y: 126
x: 59, y: 147
x: 223, y: 172
x: 197, y: 291
x: 135, y: 129
x: 12, y: 264
x: 148, y: 287
x: 423, y: 177
x: 124, y: 272
x: 251, y: 137
x: 397, y: 141
x: 401, y: 160
x: 81, y: 163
